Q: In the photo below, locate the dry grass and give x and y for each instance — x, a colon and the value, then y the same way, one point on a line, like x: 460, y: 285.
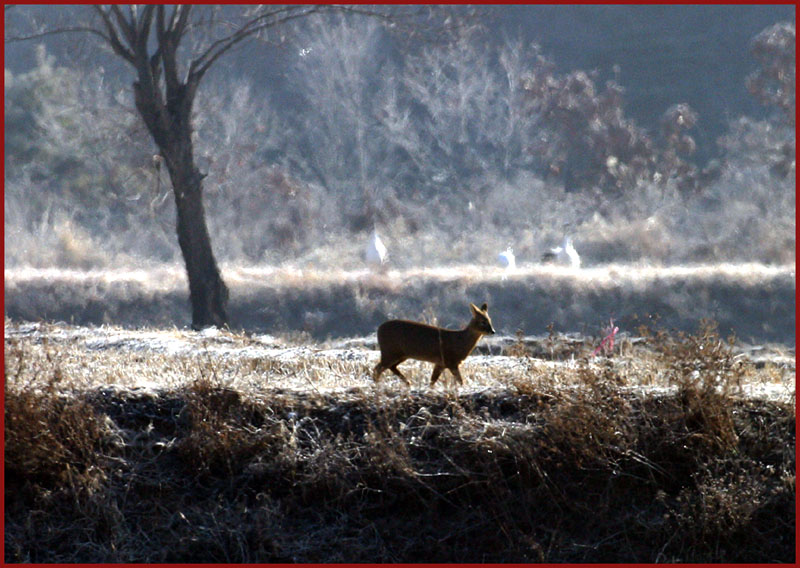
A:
x: 177, y: 447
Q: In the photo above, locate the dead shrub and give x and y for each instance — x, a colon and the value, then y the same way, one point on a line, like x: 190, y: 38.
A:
x: 215, y: 440
x: 592, y: 427
x: 51, y: 437
x: 707, y: 374
x: 518, y: 348
x: 716, y: 517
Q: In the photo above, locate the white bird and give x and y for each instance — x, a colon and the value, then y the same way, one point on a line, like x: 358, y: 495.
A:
x: 565, y: 254
x: 507, y: 260
x: 376, y: 251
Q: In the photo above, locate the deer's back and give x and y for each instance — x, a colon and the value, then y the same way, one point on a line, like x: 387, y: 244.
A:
x: 411, y: 339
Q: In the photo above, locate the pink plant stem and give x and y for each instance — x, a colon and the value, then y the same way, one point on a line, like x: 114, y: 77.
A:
x: 607, y: 344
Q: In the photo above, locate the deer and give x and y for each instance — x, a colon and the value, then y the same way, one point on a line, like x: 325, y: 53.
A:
x: 445, y: 348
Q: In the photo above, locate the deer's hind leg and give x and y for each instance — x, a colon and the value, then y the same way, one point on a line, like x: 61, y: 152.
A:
x: 376, y: 372
x: 457, y: 375
x: 397, y: 372
x: 392, y: 366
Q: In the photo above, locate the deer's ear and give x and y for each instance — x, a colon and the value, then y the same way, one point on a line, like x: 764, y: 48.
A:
x: 473, y: 308
x: 484, y: 307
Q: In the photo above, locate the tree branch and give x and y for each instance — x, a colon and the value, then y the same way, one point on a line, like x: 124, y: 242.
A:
x: 125, y: 27
x: 71, y: 29
x: 113, y: 38
x: 200, y: 65
x: 143, y: 27
x: 180, y: 27
x: 167, y: 45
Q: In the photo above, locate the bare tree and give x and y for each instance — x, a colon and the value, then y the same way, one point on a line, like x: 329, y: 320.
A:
x: 170, y: 49
x: 164, y: 97
x: 337, y: 70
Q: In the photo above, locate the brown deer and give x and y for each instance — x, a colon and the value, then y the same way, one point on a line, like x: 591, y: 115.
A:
x: 445, y: 348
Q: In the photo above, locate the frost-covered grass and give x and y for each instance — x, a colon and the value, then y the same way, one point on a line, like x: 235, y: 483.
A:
x: 106, y: 356
x: 174, y: 446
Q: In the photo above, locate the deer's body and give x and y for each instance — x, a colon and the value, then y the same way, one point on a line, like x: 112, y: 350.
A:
x: 445, y: 348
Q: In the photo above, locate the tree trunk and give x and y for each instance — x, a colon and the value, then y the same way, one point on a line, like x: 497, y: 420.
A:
x: 207, y: 291
x: 165, y: 102
x: 170, y: 126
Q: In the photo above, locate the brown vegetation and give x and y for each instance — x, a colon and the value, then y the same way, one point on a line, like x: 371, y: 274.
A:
x: 550, y: 464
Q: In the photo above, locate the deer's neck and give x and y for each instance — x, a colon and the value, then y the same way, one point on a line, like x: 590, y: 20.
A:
x: 465, y: 341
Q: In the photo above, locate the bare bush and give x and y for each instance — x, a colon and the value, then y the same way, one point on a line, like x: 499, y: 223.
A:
x: 85, y: 159
x: 258, y: 210
x: 774, y: 84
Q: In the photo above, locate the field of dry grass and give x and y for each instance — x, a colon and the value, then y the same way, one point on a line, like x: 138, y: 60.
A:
x: 166, y: 445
